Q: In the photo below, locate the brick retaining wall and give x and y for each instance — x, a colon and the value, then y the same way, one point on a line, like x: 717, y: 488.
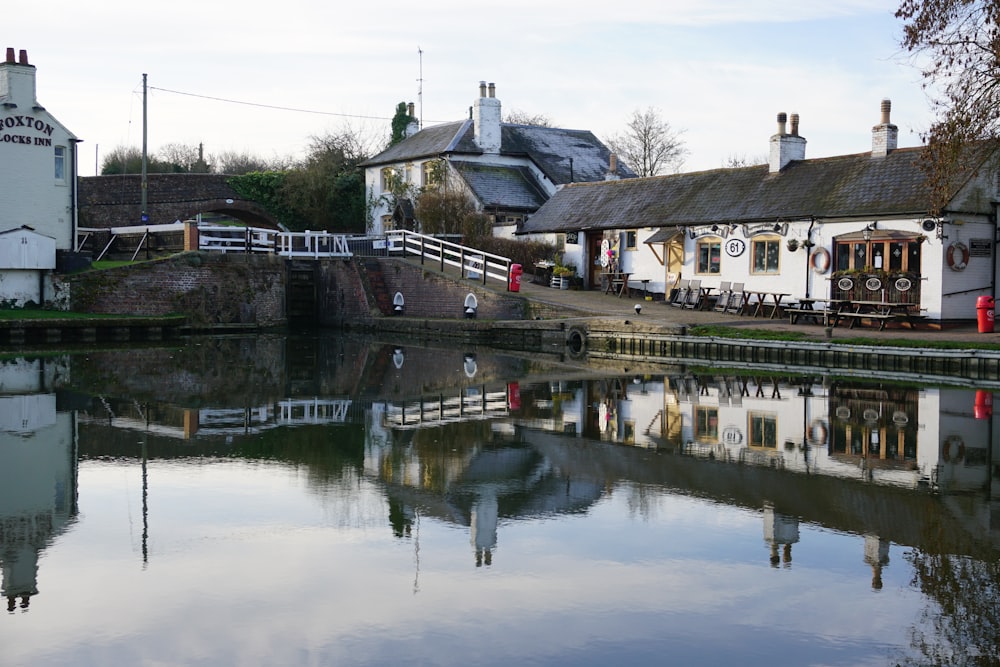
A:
x: 210, y: 288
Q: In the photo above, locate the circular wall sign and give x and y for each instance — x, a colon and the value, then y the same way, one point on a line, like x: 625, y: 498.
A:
x: 735, y: 247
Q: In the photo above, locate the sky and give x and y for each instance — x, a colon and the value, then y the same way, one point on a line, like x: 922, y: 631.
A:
x: 264, y: 78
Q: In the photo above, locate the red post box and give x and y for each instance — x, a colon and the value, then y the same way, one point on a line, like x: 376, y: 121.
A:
x: 984, y: 312
x: 515, y: 278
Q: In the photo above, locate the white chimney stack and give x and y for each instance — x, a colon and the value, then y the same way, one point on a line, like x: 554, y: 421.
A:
x: 486, y: 119
x: 17, y: 78
x: 786, y: 148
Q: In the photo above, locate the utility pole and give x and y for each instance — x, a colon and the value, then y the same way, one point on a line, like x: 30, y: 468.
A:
x: 144, y: 217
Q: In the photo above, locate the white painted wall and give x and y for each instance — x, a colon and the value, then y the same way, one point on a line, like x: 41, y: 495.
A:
x: 33, y: 193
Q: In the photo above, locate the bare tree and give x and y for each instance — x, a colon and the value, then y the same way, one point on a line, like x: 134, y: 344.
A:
x: 649, y: 145
x: 185, y: 158
x: 519, y: 117
x: 736, y: 160
x: 957, y: 44
x: 235, y: 163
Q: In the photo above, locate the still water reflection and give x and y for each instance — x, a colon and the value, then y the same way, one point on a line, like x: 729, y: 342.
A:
x: 345, y: 501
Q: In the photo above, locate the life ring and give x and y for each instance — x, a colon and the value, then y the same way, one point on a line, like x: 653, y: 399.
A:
x: 820, y: 260
x: 576, y: 342
x: 953, y: 449
x: 818, y: 433
x: 962, y: 260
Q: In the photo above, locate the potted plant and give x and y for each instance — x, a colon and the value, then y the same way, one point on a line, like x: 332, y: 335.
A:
x: 561, y: 276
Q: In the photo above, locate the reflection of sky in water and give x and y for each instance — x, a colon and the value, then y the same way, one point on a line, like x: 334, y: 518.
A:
x: 250, y: 564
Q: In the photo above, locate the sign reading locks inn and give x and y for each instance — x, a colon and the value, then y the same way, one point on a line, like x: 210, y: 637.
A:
x: 25, y: 130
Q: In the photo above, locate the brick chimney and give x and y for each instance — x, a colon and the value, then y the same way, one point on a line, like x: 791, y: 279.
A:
x: 486, y: 119
x: 17, y: 81
x: 786, y: 147
x: 414, y: 125
x: 885, y: 135
x: 612, y: 174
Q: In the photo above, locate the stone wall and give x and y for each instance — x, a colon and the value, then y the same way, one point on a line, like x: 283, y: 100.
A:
x: 210, y: 288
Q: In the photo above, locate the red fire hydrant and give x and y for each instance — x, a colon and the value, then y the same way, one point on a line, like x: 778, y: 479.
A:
x: 984, y: 311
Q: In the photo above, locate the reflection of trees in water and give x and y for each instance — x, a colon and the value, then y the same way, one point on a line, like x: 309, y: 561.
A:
x: 961, y: 624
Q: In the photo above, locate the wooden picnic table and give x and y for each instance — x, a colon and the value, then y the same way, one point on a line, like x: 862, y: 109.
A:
x: 761, y: 302
x: 617, y: 283
x: 816, y: 307
x: 878, y: 311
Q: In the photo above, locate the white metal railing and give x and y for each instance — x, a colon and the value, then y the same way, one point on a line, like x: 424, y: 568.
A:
x: 470, y: 405
x: 472, y: 263
x: 313, y: 245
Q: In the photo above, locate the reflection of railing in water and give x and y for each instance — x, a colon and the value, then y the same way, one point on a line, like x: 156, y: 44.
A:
x: 468, y: 406
x: 233, y: 421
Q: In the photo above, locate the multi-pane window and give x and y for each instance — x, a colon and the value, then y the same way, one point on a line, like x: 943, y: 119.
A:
x: 388, y: 177
x: 765, y: 253
x: 884, y: 255
x: 631, y: 240
x: 763, y: 430
x: 709, y: 254
x: 60, y: 163
x: 706, y: 424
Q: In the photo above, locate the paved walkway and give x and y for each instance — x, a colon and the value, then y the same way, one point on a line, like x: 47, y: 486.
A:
x: 595, y: 302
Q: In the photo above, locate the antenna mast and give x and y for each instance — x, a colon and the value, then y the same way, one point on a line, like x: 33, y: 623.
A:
x: 420, y: 86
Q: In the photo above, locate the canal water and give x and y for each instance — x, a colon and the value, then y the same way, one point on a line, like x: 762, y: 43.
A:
x: 334, y: 500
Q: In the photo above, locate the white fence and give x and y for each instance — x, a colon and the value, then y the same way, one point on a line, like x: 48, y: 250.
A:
x: 312, y: 245
x: 471, y: 263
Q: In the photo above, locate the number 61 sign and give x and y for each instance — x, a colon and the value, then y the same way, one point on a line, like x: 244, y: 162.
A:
x: 735, y: 247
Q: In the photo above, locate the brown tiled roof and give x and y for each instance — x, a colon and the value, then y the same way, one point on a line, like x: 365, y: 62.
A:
x: 838, y: 187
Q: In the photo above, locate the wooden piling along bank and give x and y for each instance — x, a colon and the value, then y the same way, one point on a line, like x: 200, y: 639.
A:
x: 973, y: 367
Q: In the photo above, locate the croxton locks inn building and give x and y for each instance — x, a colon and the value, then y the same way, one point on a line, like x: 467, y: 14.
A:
x: 38, y: 158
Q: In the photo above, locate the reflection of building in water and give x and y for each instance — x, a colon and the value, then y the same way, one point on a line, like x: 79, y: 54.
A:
x: 474, y: 474
x: 37, y: 479
x: 780, y: 532
x: 877, y: 556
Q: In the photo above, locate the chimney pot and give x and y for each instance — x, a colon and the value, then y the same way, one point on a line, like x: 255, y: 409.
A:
x: 795, y: 125
x: 886, y: 109
x: 409, y: 109
x: 24, y: 57
x: 613, y: 164
x: 782, y: 119
x: 493, y: 90
x: 10, y: 55
x: 482, y: 89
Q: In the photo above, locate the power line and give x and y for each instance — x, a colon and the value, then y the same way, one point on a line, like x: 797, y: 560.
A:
x: 268, y: 106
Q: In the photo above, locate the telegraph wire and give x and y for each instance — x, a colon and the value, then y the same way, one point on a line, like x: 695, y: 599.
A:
x: 270, y: 106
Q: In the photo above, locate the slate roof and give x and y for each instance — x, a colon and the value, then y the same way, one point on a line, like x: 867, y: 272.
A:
x: 548, y: 147
x: 502, y: 186
x: 838, y: 187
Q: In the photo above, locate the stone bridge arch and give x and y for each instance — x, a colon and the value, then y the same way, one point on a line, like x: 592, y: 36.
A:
x: 116, y: 201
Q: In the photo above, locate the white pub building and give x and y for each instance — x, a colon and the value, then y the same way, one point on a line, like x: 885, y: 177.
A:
x: 38, y: 202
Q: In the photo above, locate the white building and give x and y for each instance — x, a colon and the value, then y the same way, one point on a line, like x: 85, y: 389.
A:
x: 855, y: 227
x: 507, y: 170
x: 38, y: 159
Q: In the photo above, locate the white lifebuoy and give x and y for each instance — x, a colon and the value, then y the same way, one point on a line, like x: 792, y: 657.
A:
x: 820, y: 260
x: 953, y: 449
x: 962, y: 260
x: 817, y: 433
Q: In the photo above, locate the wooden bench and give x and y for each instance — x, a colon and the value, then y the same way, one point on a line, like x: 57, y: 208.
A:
x: 881, y: 318
x: 819, y: 315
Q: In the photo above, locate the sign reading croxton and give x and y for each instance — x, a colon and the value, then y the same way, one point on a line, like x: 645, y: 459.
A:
x: 16, y: 129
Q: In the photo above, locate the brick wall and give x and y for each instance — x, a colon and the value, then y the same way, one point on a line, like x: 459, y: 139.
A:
x: 347, y: 296
x: 116, y: 201
x: 210, y: 288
